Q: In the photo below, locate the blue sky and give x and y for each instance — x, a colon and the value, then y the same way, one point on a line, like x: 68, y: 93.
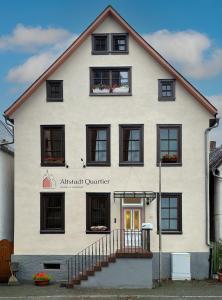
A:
x: 187, y: 33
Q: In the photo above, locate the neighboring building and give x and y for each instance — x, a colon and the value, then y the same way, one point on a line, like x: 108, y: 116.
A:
x: 216, y: 192
x: 89, y: 136
x: 6, y: 200
x: 6, y: 183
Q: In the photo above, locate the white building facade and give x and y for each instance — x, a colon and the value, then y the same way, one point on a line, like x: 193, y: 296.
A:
x: 96, y: 123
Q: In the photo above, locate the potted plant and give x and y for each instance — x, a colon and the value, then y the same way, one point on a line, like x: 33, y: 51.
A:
x: 41, y: 278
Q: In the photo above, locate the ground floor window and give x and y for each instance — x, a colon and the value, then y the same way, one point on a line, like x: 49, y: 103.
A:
x: 171, y: 213
x: 97, y: 212
x: 52, y: 213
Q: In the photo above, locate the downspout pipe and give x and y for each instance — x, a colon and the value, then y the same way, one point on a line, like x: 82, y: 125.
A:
x: 7, y: 120
x: 214, y: 123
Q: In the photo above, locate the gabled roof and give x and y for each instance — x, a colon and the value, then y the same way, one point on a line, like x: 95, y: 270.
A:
x: 215, y: 158
x: 109, y: 11
x: 6, y: 135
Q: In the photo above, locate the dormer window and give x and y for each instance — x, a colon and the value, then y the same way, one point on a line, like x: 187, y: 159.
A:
x: 100, y: 43
x: 119, y: 42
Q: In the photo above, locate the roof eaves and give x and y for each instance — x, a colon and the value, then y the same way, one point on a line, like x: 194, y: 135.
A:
x: 110, y: 10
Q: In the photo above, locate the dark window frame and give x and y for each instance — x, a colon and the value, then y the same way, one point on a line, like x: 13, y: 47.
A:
x: 179, y: 213
x: 89, y: 161
x: 49, y: 98
x: 110, y: 69
x: 179, y: 136
x: 43, y: 161
x: 94, y: 41
x: 121, y: 129
x: 88, y: 212
x: 113, y: 35
x: 43, y: 229
x: 172, y: 82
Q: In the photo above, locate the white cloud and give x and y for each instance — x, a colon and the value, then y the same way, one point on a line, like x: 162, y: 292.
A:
x: 27, y: 38
x: 216, y: 134
x: 31, y: 69
x: 35, y: 65
x: 193, y: 53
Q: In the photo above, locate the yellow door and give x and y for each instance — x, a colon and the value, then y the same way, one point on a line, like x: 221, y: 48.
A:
x: 132, y: 227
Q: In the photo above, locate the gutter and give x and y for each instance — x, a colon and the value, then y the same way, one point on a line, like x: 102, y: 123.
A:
x: 214, y: 123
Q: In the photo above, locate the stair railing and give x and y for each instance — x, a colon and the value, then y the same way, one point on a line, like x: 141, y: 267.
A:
x: 117, y: 243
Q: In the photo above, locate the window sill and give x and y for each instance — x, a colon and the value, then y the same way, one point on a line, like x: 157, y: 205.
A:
x: 52, y: 231
x: 165, y: 99
x: 97, y: 232
x: 169, y: 164
x: 54, y: 100
x: 119, y: 52
x: 100, y: 52
x: 170, y: 232
x: 52, y: 165
x: 96, y: 164
x: 133, y: 164
x: 110, y: 94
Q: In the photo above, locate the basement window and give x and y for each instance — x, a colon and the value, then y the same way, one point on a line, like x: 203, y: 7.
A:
x: 51, y: 266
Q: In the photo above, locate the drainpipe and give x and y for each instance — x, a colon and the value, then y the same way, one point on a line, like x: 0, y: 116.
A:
x: 213, y: 124
x: 7, y: 120
x: 217, y: 206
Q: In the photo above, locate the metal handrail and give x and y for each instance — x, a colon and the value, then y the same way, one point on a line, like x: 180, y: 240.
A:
x: 120, y: 241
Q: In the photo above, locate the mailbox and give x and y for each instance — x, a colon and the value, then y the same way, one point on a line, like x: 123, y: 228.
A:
x: 147, y: 226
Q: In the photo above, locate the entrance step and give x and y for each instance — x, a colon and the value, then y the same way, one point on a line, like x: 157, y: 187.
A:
x: 124, y: 273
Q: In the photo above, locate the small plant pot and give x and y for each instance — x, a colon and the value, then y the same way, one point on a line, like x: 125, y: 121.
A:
x: 219, y: 277
x: 41, y: 282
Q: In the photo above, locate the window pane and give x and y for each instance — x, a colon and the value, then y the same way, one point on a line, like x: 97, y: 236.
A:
x: 97, y: 144
x: 165, y: 224
x: 163, y: 133
x: 165, y: 202
x: 135, y: 156
x: 52, y: 213
x: 119, y: 43
x: 53, y: 145
x: 100, y: 43
x: 173, y: 145
x: 173, y: 133
x: 120, y: 82
x: 173, y: 202
x: 134, y: 134
x: 164, y: 145
x: 173, y: 224
x: 165, y: 213
x: 102, y: 134
x: 98, y: 210
x: 135, y: 145
x: 131, y: 145
x: 173, y: 213
x: 102, y: 156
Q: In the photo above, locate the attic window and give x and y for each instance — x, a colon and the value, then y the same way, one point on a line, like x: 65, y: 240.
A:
x: 166, y: 89
x: 119, y: 43
x: 100, y: 43
x: 54, y: 89
x: 110, y: 81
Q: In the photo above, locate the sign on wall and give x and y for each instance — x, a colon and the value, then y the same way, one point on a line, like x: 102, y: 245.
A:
x: 49, y: 182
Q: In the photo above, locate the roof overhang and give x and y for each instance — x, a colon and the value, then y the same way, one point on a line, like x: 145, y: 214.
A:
x: 109, y: 11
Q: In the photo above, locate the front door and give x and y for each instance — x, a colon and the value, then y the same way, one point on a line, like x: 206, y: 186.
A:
x: 132, y: 227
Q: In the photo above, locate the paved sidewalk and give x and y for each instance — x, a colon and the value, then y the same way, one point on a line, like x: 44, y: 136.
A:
x: 169, y: 290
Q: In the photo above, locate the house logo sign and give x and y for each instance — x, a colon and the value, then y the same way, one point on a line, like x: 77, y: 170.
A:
x: 48, y: 181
